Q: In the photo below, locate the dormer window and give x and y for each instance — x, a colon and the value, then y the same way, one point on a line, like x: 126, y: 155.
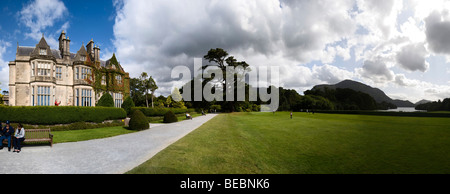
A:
x: 43, y: 52
x: 83, y: 58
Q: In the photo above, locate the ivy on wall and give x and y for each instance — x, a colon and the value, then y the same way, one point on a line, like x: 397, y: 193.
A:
x: 110, y: 71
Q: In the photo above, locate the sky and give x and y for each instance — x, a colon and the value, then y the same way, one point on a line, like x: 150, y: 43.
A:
x: 399, y: 46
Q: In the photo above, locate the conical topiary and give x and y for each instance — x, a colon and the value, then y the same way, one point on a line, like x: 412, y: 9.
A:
x: 127, y: 105
x: 169, y: 117
x: 106, y: 100
x: 138, y: 121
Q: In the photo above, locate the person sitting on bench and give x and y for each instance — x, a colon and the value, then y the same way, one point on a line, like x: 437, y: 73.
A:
x: 188, y: 116
x: 19, y: 136
x: 6, y: 134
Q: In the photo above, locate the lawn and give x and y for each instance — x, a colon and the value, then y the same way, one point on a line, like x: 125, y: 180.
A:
x: 88, y: 134
x: 319, y: 143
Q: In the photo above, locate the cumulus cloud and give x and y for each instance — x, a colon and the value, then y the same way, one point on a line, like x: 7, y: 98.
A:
x: 401, y: 80
x: 307, y: 31
x: 378, y: 17
x: 163, y: 34
x: 331, y: 74
x: 376, y: 70
x: 4, y: 64
x: 412, y: 57
x: 302, y: 78
x: 372, y: 37
x: 434, y: 91
x: 437, y: 31
x: 41, y: 14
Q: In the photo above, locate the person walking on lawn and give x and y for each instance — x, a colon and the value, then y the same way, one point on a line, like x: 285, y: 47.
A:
x: 6, y: 134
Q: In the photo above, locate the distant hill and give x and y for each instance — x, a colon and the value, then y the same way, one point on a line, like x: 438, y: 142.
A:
x: 377, y: 94
x: 422, y: 102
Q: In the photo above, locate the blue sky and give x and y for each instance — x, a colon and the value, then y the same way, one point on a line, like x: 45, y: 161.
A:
x: 84, y: 20
x: 399, y: 46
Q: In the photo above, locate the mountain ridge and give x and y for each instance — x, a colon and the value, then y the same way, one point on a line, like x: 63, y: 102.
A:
x: 423, y: 101
x: 377, y: 94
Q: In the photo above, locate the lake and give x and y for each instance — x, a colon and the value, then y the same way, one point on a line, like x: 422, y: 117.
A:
x: 404, y: 109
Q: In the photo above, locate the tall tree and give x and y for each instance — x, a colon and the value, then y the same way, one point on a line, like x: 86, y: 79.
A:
x: 222, y: 60
x: 136, y: 92
x: 152, y: 86
x: 177, y: 99
x: 145, y: 85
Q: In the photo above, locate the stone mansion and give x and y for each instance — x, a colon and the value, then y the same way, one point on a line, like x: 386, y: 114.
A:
x: 41, y: 76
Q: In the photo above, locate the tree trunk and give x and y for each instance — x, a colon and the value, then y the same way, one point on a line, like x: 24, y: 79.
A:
x: 152, y: 100
x: 146, y: 101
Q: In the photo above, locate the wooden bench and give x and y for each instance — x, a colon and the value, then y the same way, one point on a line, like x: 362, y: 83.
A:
x: 36, y: 136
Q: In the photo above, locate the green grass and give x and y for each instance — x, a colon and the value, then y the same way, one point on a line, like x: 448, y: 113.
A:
x: 88, y: 134
x: 439, y: 112
x: 319, y: 143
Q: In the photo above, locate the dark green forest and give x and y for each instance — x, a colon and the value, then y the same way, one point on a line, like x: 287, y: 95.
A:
x: 435, y: 106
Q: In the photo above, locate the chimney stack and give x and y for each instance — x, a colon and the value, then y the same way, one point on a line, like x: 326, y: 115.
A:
x: 64, y: 45
x: 90, y: 48
x: 96, y: 53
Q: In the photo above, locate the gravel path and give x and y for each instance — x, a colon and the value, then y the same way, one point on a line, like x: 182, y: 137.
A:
x: 114, y: 155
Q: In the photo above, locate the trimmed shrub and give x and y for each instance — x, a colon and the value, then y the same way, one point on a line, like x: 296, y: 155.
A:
x: 50, y: 115
x: 169, y: 117
x: 217, y: 108
x: 127, y: 105
x: 138, y: 121
x: 106, y: 100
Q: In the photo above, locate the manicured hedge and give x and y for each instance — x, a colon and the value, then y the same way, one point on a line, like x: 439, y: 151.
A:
x: 153, y: 112
x: 49, y: 115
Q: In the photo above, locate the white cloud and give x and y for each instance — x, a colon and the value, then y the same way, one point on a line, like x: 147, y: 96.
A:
x: 412, y: 57
x: 379, y: 17
x: 4, y: 71
x: 413, y: 30
x: 148, y: 34
x: 310, y: 26
x: 401, y: 80
x: 331, y: 74
x: 422, y: 9
x: 404, y: 88
x: 38, y: 15
x: 376, y: 70
x: 437, y: 31
x: 378, y: 35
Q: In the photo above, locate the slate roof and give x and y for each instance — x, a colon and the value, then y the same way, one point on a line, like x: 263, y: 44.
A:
x: 26, y: 51
x: 29, y: 51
